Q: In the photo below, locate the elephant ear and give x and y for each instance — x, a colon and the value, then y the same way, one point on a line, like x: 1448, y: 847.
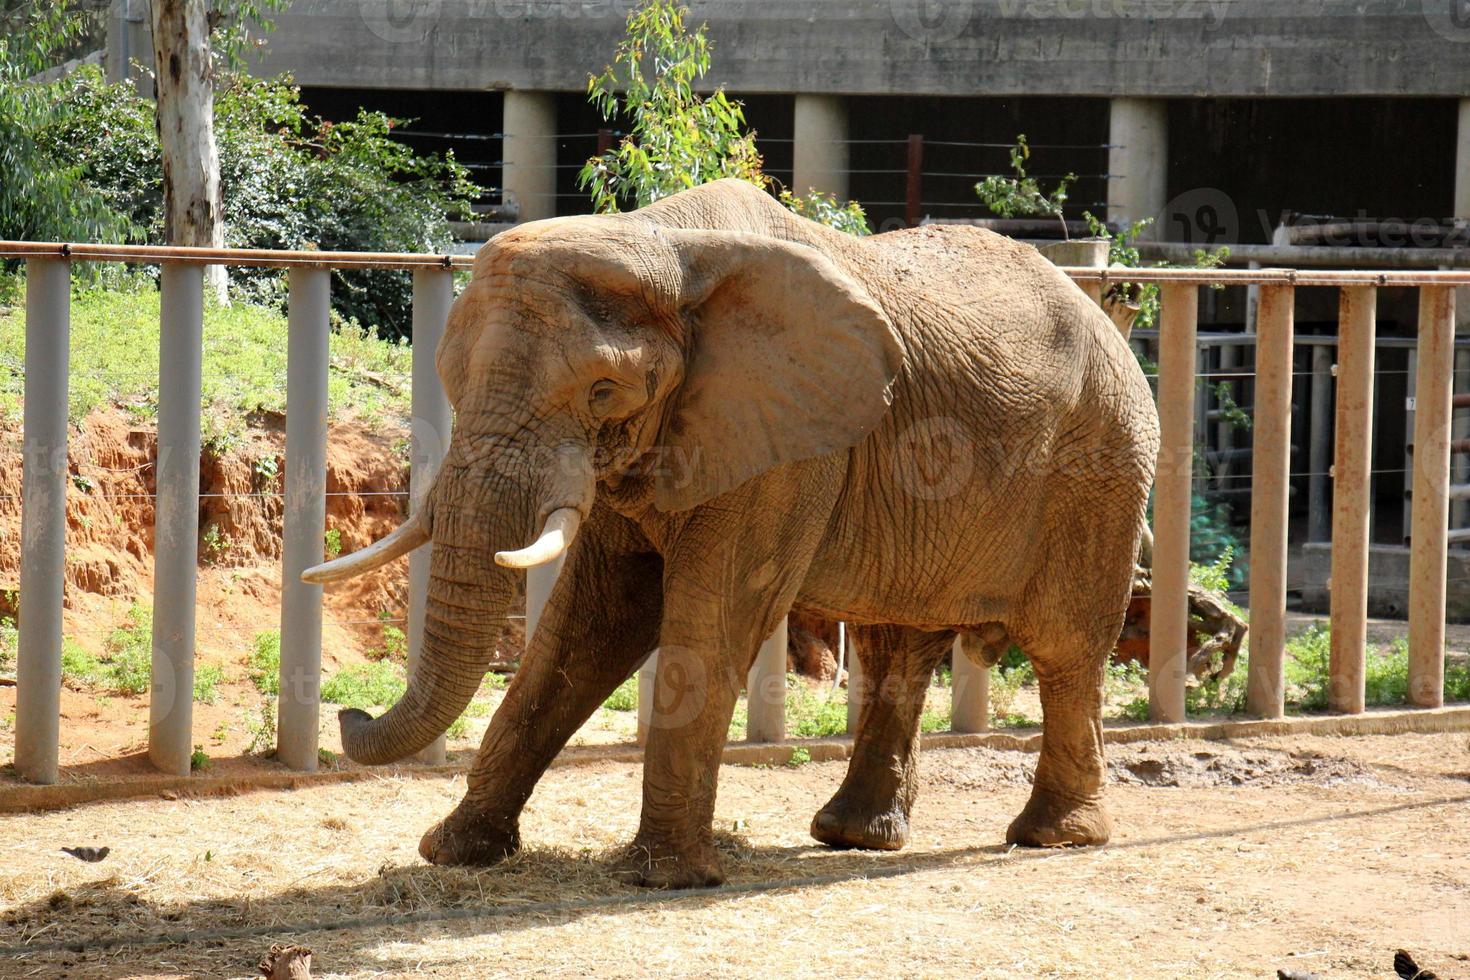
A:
x: 788, y: 358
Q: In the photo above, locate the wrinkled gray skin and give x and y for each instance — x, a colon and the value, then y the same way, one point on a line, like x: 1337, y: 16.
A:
x: 921, y: 432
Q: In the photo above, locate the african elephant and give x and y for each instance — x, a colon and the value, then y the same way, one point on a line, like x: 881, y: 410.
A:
x: 722, y: 411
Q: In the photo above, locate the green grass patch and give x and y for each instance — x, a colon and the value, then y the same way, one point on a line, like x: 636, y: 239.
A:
x: 207, y: 678
x: 79, y: 667
x: 368, y: 685
x: 128, y: 665
x: 9, y: 644
x: 114, y: 360
x: 624, y: 697
x: 264, y: 662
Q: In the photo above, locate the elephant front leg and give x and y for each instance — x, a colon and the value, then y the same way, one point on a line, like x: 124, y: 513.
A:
x: 696, y: 693
x: 600, y: 622
x: 871, y: 809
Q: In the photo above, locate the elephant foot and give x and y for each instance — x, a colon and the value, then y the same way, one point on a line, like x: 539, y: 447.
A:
x: 1051, y: 820
x: 473, y: 841
x: 843, y: 824
x: 657, y: 862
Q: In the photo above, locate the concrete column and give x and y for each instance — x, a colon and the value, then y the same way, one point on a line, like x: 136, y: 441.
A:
x: 1428, y: 553
x: 1138, y: 162
x: 819, y: 147
x: 433, y: 293
x: 969, y: 691
x: 529, y: 152
x: 1167, y: 660
x: 1270, y: 502
x: 43, y: 520
x: 176, y: 519
x: 1351, y: 499
x: 765, y: 690
x: 305, y: 517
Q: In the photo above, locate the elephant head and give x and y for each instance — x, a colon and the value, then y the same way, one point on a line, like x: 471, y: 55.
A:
x: 672, y: 364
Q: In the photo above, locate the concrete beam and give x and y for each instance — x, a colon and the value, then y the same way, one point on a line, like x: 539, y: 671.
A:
x: 1144, y: 48
x: 529, y: 124
x: 819, y: 147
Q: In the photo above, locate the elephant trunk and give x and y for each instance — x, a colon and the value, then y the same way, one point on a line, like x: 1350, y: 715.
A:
x: 475, y: 512
x: 464, y: 617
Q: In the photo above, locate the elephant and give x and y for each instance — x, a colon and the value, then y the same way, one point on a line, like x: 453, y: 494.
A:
x: 715, y: 412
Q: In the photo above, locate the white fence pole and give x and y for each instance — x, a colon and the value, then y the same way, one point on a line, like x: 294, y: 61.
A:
x: 433, y: 294
x: 176, y: 518
x: 307, y: 352
x: 765, y: 688
x: 43, y: 520
x: 854, y: 684
x: 969, y: 692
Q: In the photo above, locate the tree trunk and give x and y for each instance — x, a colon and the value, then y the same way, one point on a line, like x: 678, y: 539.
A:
x: 192, y: 205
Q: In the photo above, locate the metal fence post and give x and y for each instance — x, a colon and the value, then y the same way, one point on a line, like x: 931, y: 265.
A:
x: 969, y: 691
x: 433, y: 294
x: 1428, y: 542
x: 913, y: 208
x: 176, y: 517
x: 1319, y: 453
x: 43, y: 520
x: 1351, y: 500
x: 1270, y: 501
x: 765, y: 690
x: 1168, y: 636
x: 307, y: 352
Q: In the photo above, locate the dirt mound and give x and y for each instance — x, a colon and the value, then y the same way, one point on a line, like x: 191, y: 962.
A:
x: 1198, y: 768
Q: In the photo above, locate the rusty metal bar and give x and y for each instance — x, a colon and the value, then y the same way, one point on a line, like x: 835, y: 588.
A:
x: 1168, y: 637
x: 1270, y: 500
x: 257, y: 257
x: 43, y: 520
x: 1429, y: 554
x: 176, y: 518
x: 913, y: 208
x: 433, y: 294
x: 1351, y: 498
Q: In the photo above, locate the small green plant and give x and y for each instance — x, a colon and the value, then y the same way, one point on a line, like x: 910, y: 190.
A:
x: 206, y: 683
x: 1006, y: 683
x: 83, y: 483
x: 221, y: 732
x: 214, y: 543
x: 799, y: 757
x: 1386, y: 673
x: 326, y: 757
x: 265, y: 469
x: 264, y: 662
x: 79, y: 668
x: 624, y: 697
x: 395, y: 644
x: 1019, y: 195
x: 9, y: 643
x: 458, y: 727
x: 366, y: 685
x: 198, y: 760
x: 935, y: 719
x: 825, y: 209
x: 332, y: 542
x: 1457, y: 682
x: 812, y: 713
x: 128, y: 665
x: 262, y: 727
x: 1308, y: 661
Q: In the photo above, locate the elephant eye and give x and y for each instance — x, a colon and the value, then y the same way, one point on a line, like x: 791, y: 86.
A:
x: 602, y: 397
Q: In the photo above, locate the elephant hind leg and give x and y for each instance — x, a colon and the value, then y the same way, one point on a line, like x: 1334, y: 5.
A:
x: 871, y: 809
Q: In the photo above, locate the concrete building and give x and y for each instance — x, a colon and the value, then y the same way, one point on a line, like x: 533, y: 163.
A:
x: 1210, y: 117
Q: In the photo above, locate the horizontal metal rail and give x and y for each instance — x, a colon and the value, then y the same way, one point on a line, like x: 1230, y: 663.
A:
x: 43, y: 517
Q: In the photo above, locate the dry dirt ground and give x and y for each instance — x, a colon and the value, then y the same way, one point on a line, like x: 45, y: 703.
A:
x: 1305, y: 853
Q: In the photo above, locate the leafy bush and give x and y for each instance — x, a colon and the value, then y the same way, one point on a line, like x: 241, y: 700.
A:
x: 264, y: 662
x: 9, y: 643
x: 79, y: 668
x: 811, y: 713
x: 207, y: 678
x: 368, y: 685
x: 288, y: 180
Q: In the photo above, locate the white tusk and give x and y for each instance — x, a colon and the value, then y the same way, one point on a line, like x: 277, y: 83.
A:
x: 407, y: 536
x: 556, y: 537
